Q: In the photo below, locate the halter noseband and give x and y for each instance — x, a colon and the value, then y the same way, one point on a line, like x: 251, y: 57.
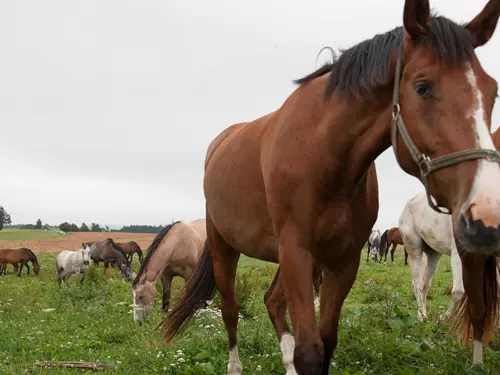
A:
x: 425, y: 163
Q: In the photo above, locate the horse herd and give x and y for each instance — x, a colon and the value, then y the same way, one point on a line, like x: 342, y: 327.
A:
x: 299, y: 187
x: 68, y: 262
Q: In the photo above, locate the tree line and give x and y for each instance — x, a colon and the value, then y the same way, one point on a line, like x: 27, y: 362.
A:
x: 141, y: 229
x: 6, y: 221
x: 72, y: 227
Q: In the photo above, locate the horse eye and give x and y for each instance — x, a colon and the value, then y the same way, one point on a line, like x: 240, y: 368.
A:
x: 423, y: 89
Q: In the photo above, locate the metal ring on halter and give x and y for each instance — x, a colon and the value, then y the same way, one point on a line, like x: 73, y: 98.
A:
x: 425, y: 165
x: 396, y: 110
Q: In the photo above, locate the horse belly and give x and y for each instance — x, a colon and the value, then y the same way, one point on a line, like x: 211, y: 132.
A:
x: 236, y: 200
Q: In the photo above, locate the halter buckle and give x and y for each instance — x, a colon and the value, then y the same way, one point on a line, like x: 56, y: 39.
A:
x: 425, y: 165
x: 396, y: 110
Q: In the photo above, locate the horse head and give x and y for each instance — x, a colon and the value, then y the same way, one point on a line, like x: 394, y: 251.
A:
x: 143, y: 298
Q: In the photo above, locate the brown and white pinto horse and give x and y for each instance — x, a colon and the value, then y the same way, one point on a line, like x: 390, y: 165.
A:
x: 298, y: 186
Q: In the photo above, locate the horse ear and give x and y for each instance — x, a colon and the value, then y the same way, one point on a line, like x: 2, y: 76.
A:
x: 416, y: 18
x: 482, y: 27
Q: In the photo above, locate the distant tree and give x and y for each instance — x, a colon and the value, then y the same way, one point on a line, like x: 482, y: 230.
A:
x: 107, y: 228
x: 4, y: 218
x: 95, y: 227
x: 74, y: 228
x: 65, y: 227
x: 38, y: 224
x: 84, y: 228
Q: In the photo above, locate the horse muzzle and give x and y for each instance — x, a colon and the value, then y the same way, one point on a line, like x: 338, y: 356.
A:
x: 477, y: 237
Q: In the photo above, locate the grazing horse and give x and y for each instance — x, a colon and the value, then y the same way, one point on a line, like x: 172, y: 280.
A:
x: 18, y: 256
x: 109, y: 252
x: 373, y: 245
x: 130, y: 248
x: 174, y: 252
x: 391, y: 237
x: 298, y: 186
x: 69, y: 263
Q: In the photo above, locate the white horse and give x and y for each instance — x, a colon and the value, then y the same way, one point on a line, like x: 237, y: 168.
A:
x: 69, y: 263
x: 425, y: 231
x: 373, y: 244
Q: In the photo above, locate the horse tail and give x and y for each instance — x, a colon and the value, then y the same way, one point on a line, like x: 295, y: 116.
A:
x: 151, y: 249
x: 383, y: 241
x: 198, y: 290
x: 139, y: 253
x: 460, y: 319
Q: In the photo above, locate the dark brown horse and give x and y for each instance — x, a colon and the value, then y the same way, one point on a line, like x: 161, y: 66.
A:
x: 130, y: 248
x: 298, y: 186
x: 110, y: 253
x: 18, y: 257
x: 391, y: 237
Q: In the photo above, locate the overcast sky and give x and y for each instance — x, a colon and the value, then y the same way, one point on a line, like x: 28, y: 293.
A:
x: 107, y: 107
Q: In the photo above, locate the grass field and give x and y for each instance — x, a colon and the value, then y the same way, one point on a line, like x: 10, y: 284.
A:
x: 18, y: 235
x: 379, y: 333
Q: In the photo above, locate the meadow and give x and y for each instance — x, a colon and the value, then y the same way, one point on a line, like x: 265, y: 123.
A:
x: 379, y: 332
x: 18, y: 235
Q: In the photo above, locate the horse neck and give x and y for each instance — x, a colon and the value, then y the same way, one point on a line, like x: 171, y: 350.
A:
x: 363, y: 127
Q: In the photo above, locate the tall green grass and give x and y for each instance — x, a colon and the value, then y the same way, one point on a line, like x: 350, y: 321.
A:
x: 379, y: 332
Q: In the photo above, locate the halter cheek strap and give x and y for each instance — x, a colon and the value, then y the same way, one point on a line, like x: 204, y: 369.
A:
x: 425, y: 164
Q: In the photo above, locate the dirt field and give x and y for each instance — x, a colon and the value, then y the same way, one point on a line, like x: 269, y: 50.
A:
x: 74, y: 241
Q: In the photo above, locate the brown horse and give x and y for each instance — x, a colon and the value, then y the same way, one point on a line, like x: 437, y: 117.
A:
x: 130, y: 248
x: 391, y: 237
x: 18, y: 256
x: 110, y: 254
x: 298, y: 186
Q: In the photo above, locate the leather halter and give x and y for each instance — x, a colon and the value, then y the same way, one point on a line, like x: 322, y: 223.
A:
x: 425, y: 163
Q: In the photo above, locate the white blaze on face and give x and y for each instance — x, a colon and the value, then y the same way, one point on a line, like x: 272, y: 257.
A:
x: 485, y: 194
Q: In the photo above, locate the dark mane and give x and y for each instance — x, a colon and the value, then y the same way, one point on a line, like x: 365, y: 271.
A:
x: 151, y: 249
x: 365, y: 67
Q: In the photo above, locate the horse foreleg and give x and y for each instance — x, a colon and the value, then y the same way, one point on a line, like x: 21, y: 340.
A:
x: 337, y: 283
x: 82, y: 277
x: 406, y: 256
x: 106, y: 269
x: 416, y: 280
x: 20, y: 269
x: 457, y: 292
x: 166, y: 280
x: 28, y: 267
x: 432, y: 263
x: 276, y: 308
x: 296, y: 276
x: 368, y: 253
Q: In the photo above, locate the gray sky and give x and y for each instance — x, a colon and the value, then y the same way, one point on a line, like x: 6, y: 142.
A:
x: 107, y: 107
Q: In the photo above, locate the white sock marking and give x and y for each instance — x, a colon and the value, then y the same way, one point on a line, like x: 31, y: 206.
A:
x: 477, y: 357
x: 287, y: 345
x: 234, y: 366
